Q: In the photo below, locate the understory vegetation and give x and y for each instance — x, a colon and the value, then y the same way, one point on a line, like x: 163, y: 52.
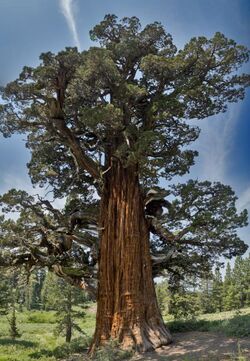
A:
x: 47, y: 310
x: 230, y: 323
x: 191, y: 297
x: 39, y: 341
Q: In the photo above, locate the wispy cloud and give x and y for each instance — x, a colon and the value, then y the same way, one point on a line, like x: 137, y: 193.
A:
x: 67, y: 8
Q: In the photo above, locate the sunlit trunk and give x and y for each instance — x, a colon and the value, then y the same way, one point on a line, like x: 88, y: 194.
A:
x: 127, y: 308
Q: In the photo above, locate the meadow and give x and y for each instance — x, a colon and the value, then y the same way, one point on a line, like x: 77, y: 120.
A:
x: 38, y: 341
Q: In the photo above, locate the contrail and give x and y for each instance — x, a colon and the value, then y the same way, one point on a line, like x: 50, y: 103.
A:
x: 67, y: 10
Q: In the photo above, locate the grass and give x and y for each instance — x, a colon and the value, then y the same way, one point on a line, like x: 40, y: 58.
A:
x: 231, y: 323
x: 39, y: 343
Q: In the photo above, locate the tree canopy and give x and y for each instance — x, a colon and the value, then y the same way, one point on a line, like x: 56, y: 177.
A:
x: 129, y: 98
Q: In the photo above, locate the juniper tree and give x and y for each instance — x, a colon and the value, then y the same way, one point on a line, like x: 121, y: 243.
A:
x: 112, y: 121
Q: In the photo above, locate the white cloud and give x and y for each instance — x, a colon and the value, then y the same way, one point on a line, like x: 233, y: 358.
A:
x: 12, y: 180
x: 68, y: 12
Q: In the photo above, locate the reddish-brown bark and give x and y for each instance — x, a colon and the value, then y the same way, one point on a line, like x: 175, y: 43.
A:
x: 127, y: 308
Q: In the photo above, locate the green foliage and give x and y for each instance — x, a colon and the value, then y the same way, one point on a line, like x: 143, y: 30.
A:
x: 5, y: 295
x: 231, y: 325
x: 183, y: 305
x: 217, y: 292
x: 205, y: 296
x: 188, y: 298
x: 163, y: 295
x: 236, y: 287
x: 135, y: 77
x: 34, y: 289
x: 38, y: 340
x: 129, y: 99
x: 61, y: 297
x: 8, y: 299
x: 13, y: 331
x: 239, y: 326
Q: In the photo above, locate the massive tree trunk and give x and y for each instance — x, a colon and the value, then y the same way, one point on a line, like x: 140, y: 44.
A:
x: 127, y: 308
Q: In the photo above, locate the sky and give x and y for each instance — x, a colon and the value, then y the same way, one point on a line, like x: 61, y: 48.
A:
x: 30, y: 27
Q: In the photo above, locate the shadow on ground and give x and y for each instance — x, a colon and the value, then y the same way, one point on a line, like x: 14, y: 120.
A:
x: 58, y: 352
x: 238, y: 326
x: 198, y: 346
x: 190, y: 346
x: 78, y: 345
x: 10, y: 341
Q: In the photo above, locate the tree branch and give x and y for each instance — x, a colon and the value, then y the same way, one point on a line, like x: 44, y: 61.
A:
x: 84, y: 162
x: 64, y: 265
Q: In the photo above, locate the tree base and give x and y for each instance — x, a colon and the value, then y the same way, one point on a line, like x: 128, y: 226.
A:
x: 138, y: 338
x: 146, y: 339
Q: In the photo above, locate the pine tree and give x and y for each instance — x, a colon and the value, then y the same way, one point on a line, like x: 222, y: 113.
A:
x: 5, y: 295
x: 62, y: 297
x: 8, y: 299
x: 238, y: 282
x: 217, y: 291
x: 13, y: 330
x: 47, y: 298
x: 228, y: 290
x: 183, y: 301
x: 163, y: 295
x: 205, y: 296
x: 247, y: 279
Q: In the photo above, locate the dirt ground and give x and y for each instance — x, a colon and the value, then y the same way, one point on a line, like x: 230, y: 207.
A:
x: 200, y: 346
x: 195, y: 346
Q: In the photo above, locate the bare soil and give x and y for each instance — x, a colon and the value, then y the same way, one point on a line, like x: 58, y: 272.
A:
x: 199, y: 346
x: 195, y: 346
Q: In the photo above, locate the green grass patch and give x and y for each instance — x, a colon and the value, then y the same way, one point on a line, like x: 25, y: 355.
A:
x: 41, y: 317
x: 38, y: 340
x: 229, y: 323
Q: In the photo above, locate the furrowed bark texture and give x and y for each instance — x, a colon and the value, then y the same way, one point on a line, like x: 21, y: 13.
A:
x: 127, y: 308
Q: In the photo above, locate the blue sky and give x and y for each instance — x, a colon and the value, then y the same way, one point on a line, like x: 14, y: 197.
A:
x: 29, y: 27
